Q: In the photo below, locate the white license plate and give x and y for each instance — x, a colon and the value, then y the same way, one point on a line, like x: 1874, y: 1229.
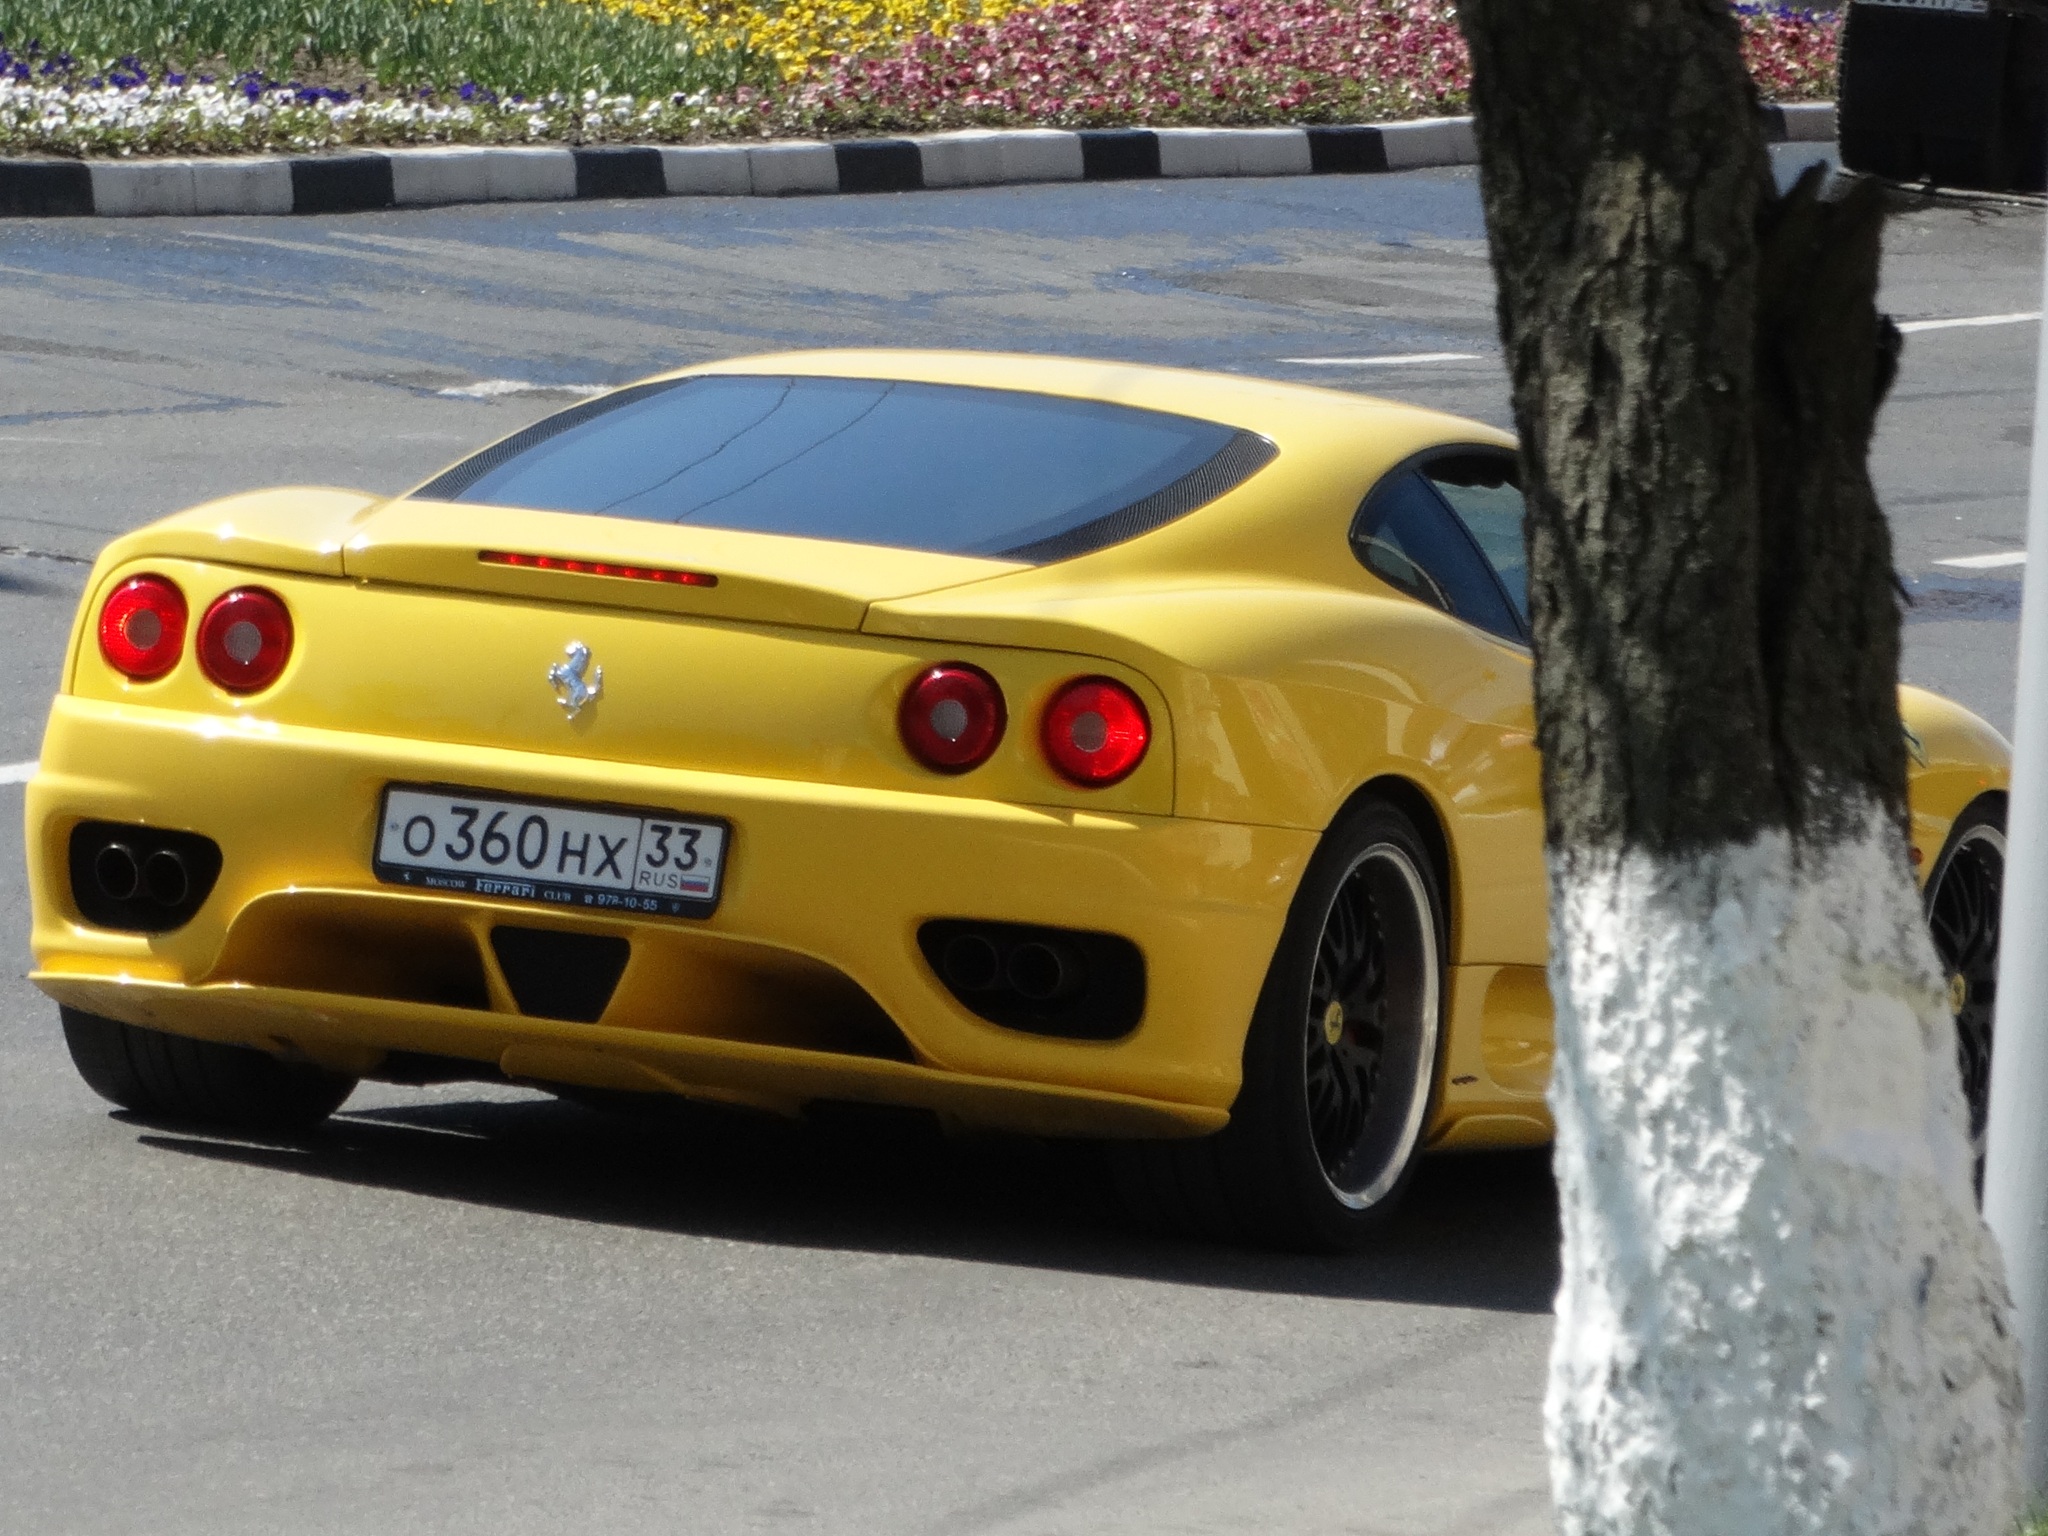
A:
x: 621, y: 859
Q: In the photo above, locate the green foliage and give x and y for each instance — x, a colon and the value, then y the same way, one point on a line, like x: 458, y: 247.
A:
x: 530, y: 47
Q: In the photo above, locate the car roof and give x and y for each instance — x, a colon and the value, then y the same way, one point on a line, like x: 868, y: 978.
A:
x: 1292, y: 415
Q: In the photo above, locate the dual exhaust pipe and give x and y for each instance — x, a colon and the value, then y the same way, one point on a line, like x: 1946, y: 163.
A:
x: 138, y: 879
x: 1037, y: 971
x: 159, y: 875
x: 1065, y: 982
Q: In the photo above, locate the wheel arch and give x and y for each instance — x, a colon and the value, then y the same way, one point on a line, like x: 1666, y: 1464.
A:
x: 1992, y: 800
x: 1929, y: 860
x: 1999, y: 799
x: 1414, y: 801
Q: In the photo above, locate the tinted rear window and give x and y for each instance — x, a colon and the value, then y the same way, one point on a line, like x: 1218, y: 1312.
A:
x: 1482, y: 490
x: 870, y: 461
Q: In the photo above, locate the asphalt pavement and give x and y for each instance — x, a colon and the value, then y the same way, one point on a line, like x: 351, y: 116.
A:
x: 468, y: 1309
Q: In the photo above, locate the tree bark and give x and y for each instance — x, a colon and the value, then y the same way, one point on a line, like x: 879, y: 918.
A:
x: 1780, y: 1311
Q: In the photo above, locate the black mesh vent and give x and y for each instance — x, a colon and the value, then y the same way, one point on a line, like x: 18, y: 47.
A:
x: 1242, y: 457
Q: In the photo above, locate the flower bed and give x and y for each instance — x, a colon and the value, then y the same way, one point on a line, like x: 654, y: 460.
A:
x: 1791, y: 53
x: 1089, y: 63
x: 597, y: 71
x: 526, y: 46
x: 796, y: 38
x: 177, y: 115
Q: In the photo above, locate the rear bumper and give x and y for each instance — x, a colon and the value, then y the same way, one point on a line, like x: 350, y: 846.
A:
x: 775, y: 999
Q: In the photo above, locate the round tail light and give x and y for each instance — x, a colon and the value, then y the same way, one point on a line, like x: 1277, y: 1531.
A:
x: 245, y: 639
x: 1096, y: 732
x: 951, y: 718
x: 142, y: 627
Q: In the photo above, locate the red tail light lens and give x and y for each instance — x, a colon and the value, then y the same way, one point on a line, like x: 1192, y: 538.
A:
x: 597, y: 568
x: 1096, y: 732
x: 245, y: 639
x: 142, y: 628
x: 952, y: 717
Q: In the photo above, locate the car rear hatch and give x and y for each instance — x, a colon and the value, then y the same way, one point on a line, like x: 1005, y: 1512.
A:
x: 678, y: 573
x: 729, y: 652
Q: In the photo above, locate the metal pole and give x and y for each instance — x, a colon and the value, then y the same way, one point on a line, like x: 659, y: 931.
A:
x: 2016, y: 1162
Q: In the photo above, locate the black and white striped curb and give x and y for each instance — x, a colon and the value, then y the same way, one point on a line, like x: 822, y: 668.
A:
x: 408, y: 178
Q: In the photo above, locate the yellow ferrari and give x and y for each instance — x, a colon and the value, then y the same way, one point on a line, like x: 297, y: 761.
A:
x: 1061, y: 746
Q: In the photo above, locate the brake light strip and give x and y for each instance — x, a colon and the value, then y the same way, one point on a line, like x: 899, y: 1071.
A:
x: 673, y: 578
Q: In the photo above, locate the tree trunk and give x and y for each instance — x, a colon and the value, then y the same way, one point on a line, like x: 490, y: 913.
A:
x: 1780, y: 1310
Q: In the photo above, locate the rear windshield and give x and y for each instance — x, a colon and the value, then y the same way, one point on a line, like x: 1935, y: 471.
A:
x: 870, y: 461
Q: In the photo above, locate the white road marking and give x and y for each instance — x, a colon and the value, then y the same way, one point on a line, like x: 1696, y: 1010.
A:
x: 2004, y: 557
x: 493, y: 389
x: 1390, y: 360
x: 2020, y: 317
x: 17, y: 773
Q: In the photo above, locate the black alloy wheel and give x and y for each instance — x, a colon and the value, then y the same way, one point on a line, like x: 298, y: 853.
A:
x: 1369, y: 1034
x: 1963, y: 900
x: 1340, y: 1061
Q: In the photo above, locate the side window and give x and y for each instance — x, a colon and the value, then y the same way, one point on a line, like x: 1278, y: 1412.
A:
x: 1407, y: 535
x: 1481, y: 489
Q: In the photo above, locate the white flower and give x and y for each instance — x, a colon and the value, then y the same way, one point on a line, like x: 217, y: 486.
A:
x: 209, y: 116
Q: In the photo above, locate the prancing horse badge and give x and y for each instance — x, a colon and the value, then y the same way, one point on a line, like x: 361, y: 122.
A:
x: 572, y: 689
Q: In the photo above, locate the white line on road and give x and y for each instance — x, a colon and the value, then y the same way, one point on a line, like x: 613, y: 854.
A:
x: 493, y: 389
x: 1382, y: 362
x: 1986, y: 562
x: 2019, y: 318
x: 17, y: 773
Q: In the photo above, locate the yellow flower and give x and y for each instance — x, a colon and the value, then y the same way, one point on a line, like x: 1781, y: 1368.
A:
x: 799, y: 35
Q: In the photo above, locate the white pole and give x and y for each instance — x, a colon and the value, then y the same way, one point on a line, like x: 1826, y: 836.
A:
x: 2016, y: 1165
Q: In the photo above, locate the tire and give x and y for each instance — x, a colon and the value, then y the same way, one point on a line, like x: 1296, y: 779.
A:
x: 153, y: 1073
x: 1340, y: 1070
x: 1962, y: 902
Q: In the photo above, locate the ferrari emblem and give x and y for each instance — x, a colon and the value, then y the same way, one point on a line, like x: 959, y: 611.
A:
x: 572, y: 689
x: 1333, y: 1022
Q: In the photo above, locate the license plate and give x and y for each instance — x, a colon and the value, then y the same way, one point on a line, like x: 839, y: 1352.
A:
x: 614, y: 858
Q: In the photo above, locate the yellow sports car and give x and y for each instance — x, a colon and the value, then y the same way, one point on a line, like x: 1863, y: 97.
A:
x: 1077, y: 748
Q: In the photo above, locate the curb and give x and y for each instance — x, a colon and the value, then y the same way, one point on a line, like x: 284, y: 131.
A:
x: 441, y: 174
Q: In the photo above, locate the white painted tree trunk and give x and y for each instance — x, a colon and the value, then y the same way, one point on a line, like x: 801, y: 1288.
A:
x: 1780, y: 1310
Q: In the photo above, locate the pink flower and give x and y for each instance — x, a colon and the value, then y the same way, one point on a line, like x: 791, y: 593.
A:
x: 1089, y: 62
